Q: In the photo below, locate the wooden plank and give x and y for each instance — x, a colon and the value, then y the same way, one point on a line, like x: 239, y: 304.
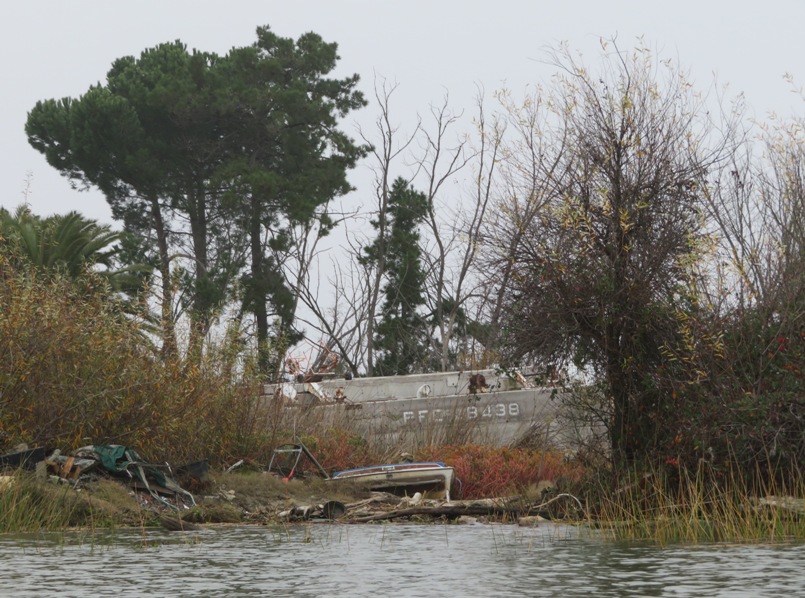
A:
x: 67, y: 467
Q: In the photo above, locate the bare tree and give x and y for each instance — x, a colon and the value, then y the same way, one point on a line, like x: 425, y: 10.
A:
x: 339, y: 289
x: 758, y: 205
x: 521, y: 197
x: 431, y: 156
x: 388, y: 148
x: 603, y: 221
x: 455, y: 219
x: 336, y: 295
x: 437, y: 152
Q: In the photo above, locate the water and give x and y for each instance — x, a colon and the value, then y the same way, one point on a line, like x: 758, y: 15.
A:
x: 386, y: 560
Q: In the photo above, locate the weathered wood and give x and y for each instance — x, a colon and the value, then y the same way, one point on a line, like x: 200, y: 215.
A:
x: 67, y: 467
x: 447, y: 509
x: 378, y: 497
x: 176, y: 524
x: 788, y: 504
x: 491, y: 506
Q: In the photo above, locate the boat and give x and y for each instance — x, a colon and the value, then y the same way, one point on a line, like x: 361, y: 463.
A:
x: 492, y: 407
x: 428, y: 477
x: 22, y: 457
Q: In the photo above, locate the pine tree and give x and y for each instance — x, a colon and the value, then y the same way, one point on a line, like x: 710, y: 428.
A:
x: 402, y: 333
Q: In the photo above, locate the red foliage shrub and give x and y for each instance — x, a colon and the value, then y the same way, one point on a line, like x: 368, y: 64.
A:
x: 487, y: 471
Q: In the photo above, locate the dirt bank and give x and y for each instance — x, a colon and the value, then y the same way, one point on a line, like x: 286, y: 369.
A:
x: 259, y: 498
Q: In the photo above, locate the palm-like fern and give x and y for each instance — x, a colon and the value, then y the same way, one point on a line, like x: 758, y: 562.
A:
x: 70, y: 244
x: 77, y: 247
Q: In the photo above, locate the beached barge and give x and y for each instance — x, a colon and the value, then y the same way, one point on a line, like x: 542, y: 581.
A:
x: 482, y: 405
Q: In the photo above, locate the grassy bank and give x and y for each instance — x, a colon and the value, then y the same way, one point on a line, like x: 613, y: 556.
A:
x: 29, y: 504
x: 654, y: 507
x: 76, y: 369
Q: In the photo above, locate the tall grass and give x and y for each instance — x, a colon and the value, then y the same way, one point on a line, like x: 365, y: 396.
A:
x: 691, y: 508
x: 27, y: 505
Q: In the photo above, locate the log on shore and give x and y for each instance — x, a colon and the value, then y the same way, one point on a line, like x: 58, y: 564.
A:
x: 445, y: 510
x: 176, y: 524
x: 494, y: 506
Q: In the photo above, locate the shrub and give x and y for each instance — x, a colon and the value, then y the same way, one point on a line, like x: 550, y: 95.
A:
x: 77, y: 370
x: 488, y: 471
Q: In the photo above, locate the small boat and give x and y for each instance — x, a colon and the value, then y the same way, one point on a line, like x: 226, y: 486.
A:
x: 22, y: 457
x: 196, y: 470
x: 433, y: 477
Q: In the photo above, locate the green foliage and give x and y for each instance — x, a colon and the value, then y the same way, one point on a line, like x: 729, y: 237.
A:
x: 284, y: 160
x: 144, y: 140
x: 402, y: 333
x: 69, y: 244
x: 217, y: 157
x: 27, y: 505
x: 734, y: 391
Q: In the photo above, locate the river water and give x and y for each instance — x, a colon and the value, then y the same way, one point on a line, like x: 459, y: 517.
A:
x: 399, y: 560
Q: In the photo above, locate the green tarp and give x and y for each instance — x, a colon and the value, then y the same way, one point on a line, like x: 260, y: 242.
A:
x: 119, y: 459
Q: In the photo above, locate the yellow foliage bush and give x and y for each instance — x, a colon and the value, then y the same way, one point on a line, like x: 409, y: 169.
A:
x: 76, y: 370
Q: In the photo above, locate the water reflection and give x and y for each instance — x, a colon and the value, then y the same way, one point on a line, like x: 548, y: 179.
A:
x: 384, y: 560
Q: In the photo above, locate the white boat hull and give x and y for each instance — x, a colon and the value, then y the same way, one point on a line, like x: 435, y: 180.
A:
x: 432, y: 479
x: 436, y: 408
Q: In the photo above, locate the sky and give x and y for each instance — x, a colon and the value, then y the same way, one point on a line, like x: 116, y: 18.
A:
x: 432, y: 48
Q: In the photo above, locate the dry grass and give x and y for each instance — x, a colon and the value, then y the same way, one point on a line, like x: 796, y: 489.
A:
x: 29, y: 504
x: 696, y: 510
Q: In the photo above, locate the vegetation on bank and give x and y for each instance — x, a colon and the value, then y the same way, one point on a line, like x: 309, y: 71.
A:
x: 78, y: 370
x: 615, y: 228
x: 28, y: 504
x: 651, y: 509
x: 687, y: 507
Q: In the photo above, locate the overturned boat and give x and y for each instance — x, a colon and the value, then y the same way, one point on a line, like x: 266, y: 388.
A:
x: 22, y: 457
x: 431, y: 478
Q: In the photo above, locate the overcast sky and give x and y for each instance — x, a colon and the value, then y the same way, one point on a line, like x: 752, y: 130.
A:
x: 57, y: 48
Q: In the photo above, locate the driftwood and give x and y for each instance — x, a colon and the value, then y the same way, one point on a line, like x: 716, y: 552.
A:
x: 446, y: 509
x: 377, y: 497
x: 788, y: 504
x: 457, y: 509
x: 175, y: 524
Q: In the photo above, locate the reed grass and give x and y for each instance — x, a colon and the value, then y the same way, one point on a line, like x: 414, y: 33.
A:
x: 28, y: 505
x: 693, y: 508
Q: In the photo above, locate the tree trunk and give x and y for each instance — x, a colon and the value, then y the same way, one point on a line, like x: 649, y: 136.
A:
x: 200, y: 314
x: 622, y: 431
x: 169, y: 345
x: 257, y: 290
